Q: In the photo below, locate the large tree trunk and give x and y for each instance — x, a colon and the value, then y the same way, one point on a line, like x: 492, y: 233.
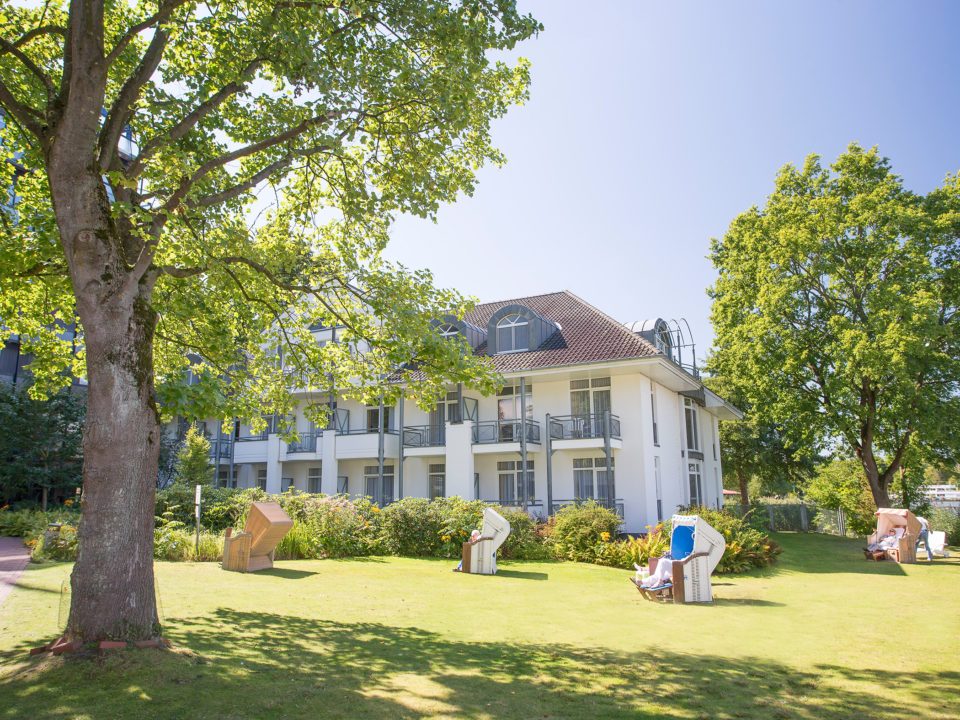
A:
x: 742, y: 479
x: 879, y: 484
x: 112, y: 581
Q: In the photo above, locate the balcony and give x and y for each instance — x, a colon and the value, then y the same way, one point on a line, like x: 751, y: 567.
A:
x: 224, y: 445
x: 421, y: 436
x: 306, y: 444
x: 578, y: 427
x: 505, y: 431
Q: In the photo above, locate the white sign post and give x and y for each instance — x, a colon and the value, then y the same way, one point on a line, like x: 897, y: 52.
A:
x: 197, y: 513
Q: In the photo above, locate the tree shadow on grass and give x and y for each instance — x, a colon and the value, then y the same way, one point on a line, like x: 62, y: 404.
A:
x: 287, y: 573
x: 522, y: 574
x: 267, y: 665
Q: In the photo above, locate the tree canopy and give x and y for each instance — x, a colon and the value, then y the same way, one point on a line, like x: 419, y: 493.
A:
x: 196, y: 185
x: 835, y: 309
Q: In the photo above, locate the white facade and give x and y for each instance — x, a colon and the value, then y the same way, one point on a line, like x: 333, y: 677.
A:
x: 656, y: 420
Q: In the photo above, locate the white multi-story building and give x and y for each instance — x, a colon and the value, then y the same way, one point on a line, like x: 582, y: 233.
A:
x: 591, y: 407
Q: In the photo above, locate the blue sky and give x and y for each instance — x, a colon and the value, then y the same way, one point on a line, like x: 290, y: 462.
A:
x: 651, y: 125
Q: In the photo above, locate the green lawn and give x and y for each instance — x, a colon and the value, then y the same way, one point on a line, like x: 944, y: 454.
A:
x: 825, y: 634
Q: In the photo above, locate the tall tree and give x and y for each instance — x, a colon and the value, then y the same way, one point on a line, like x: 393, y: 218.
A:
x: 39, y: 445
x: 193, y: 459
x: 754, y: 448
x: 835, y: 310
x: 144, y: 134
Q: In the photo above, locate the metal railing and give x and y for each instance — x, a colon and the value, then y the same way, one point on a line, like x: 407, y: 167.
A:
x: 795, y: 517
x: 424, y: 436
x: 224, y: 444
x: 250, y: 438
x: 504, y: 431
x: 306, y: 444
x: 615, y: 505
x: 515, y: 504
x: 573, y: 427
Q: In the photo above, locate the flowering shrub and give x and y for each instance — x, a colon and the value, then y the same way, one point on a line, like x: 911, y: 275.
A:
x: 577, y: 531
x: 634, y: 550
x: 747, y: 546
x: 54, y: 544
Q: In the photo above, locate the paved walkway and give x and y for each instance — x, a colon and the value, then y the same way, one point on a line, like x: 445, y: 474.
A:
x: 13, y: 559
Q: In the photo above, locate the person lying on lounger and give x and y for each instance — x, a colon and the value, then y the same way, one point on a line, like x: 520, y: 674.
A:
x: 659, y: 577
x: 887, y: 542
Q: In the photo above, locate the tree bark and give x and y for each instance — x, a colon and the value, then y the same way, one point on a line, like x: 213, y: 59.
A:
x: 744, y: 500
x: 112, y: 581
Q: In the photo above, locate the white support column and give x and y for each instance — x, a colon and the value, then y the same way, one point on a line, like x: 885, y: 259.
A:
x: 330, y: 468
x: 459, y: 461
x: 274, y: 468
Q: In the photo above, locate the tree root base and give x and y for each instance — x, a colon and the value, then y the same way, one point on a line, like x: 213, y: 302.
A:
x: 64, y: 645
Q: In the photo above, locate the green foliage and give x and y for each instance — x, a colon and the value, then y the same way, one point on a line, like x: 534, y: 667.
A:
x: 528, y: 538
x: 40, y: 446
x: 842, y: 485
x: 835, y: 313
x: 30, y: 523
x: 948, y: 520
x: 193, y: 461
x: 634, y: 550
x: 748, y: 547
x: 577, y: 530
x: 60, y: 544
x: 219, y: 507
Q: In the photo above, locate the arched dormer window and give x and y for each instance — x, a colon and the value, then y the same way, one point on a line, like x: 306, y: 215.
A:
x: 448, y: 330
x: 512, y: 334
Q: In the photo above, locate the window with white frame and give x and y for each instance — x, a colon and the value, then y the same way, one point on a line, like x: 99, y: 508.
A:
x: 373, y: 416
x: 653, y: 414
x: 592, y: 479
x: 696, y: 483
x: 343, y: 483
x: 438, y: 480
x: 692, y: 425
x: 287, y: 484
x: 370, y: 474
x: 509, y: 474
x: 512, y: 334
x: 448, y: 330
x: 588, y: 396
x: 262, y: 478
x: 314, y: 475
x: 509, y: 408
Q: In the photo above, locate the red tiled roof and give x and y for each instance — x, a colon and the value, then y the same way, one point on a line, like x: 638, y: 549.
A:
x: 586, y: 335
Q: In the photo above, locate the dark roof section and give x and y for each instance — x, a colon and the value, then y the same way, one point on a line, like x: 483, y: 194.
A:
x: 586, y: 335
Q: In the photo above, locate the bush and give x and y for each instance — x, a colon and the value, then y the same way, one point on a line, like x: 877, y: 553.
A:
x: 747, y: 547
x: 577, y: 531
x: 219, y: 507
x: 415, y: 527
x: 58, y: 544
x: 527, y: 539
x: 948, y: 520
x: 634, y: 550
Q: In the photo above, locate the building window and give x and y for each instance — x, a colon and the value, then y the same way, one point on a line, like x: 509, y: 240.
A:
x: 512, y: 334
x: 448, y: 330
x: 696, y: 484
x: 370, y: 475
x: 224, y: 479
x: 438, y: 481
x: 659, y: 487
x: 342, y: 484
x: 453, y: 407
x: 262, y: 479
x: 313, y: 479
x: 713, y: 436
x: 588, y: 396
x: 692, y: 425
x: 373, y: 415
x: 653, y: 414
x: 508, y: 411
x: 508, y: 473
x: 592, y: 480
x: 288, y: 484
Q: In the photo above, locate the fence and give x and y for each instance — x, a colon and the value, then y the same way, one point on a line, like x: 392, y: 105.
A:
x: 796, y: 517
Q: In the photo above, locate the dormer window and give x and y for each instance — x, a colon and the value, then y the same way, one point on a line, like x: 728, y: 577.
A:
x: 448, y: 330
x: 512, y: 335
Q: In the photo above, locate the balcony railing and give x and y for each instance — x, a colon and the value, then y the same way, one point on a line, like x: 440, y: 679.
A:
x: 251, y: 438
x: 425, y: 436
x: 306, y: 444
x: 575, y: 427
x: 224, y: 443
x: 515, y: 503
x: 504, y: 431
x: 615, y: 505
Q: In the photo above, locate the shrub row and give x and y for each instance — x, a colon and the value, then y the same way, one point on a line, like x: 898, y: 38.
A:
x: 336, y: 526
